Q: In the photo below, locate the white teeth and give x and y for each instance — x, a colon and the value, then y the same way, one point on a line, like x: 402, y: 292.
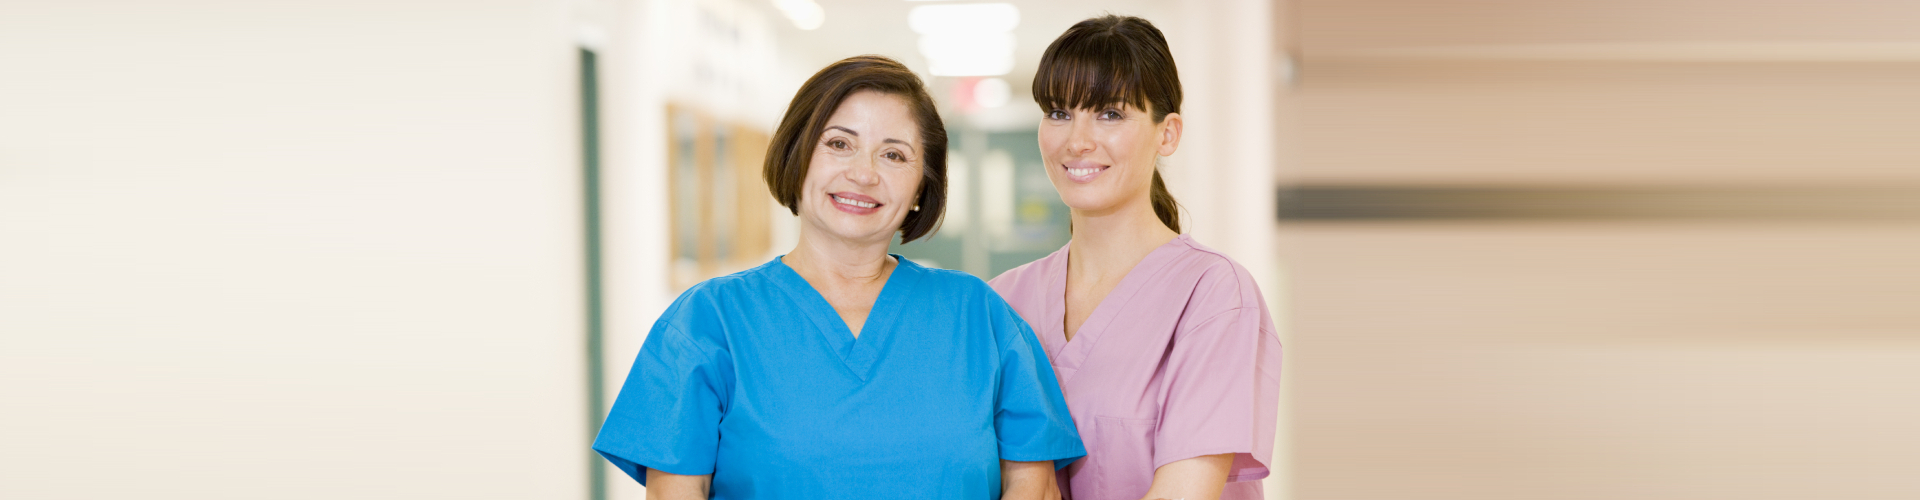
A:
x: 861, y: 204
x: 1082, y: 172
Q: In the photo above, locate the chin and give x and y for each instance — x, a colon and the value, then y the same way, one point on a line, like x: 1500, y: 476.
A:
x: 1086, y: 198
x: 851, y: 231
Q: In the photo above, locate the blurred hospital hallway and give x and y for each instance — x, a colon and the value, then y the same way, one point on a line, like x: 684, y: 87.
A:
x: 1517, y: 249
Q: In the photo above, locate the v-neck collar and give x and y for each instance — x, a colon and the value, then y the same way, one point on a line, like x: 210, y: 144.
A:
x: 1071, y: 353
x: 858, y: 353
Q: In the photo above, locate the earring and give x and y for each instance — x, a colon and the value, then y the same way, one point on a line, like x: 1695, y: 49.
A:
x: 915, y: 208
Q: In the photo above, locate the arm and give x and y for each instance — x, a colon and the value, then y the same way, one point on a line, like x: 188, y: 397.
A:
x: 1197, y: 478
x: 669, y: 410
x: 1027, y: 480
x: 670, y: 486
x: 1030, y: 420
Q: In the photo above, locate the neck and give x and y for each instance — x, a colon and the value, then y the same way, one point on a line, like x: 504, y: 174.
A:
x: 839, y: 260
x: 1110, y: 242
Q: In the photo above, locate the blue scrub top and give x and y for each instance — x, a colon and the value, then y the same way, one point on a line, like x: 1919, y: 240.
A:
x: 753, y: 377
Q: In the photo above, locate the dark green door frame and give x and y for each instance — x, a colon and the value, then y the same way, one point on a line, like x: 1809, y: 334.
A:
x: 590, y: 176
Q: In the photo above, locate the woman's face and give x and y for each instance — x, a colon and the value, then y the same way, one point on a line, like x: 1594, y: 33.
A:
x: 865, y: 172
x: 1103, y: 158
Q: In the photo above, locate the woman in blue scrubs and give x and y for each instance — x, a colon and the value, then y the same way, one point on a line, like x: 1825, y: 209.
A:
x: 838, y: 371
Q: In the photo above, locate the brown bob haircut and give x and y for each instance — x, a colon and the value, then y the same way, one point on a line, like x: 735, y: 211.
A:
x: 1109, y: 61
x: 791, y: 150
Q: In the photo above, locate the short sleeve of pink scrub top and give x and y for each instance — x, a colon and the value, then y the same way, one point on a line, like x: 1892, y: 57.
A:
x: 1179, y: 361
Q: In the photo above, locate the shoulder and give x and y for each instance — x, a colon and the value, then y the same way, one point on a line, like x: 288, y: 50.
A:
x: 699, y: 312
x: 940, y: 277
x: 1219, y: 281
x: 757, y: 280
x: 1029, y: 276
x: 1223, y: 290
x: 966, y: 295
x: 943, y: 283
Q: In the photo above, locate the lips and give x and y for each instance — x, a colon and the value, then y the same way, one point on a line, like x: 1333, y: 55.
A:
x: 855, y: 203
x: 1083, y: 171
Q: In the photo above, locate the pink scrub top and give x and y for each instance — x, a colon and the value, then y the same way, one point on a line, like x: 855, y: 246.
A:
x: 1179, y: 361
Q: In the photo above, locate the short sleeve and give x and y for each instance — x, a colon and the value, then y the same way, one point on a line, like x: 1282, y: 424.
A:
x: 1031, y: 417
x: 668, y: 413
x: 1222, y: 392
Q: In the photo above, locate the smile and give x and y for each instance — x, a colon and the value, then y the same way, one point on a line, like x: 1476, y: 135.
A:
x: 853, y: 202
x: 1083, y: 172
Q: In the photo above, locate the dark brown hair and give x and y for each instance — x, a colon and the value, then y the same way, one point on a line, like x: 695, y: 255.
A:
x: 1110, y: 60
x: 791, y: 149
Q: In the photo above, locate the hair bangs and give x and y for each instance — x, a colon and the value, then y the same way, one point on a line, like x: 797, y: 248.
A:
x: 1085, y: 73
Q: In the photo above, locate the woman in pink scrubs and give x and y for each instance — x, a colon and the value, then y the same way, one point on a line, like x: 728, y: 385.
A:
x: 1163, y: 347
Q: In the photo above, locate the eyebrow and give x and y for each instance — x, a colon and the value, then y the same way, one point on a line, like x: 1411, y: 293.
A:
x: 857, y: 134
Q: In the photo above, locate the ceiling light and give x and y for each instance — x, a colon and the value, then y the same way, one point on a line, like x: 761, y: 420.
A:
x: 964, y: 18
x: 805, y: 14
x: 966, y: 39
x: 983, y: 54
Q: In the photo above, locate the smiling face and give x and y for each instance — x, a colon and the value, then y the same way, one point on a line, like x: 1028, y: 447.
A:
x: 1102, y: 158
x: 865, y: 172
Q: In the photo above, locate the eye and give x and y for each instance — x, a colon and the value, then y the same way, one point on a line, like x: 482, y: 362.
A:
x: 1056, y: 115
x: 837, y: 143
x: 1111, y: 114
x: 895, y: 156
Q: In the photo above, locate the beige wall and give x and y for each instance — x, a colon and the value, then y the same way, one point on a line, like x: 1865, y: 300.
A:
x: 271, y: 250
x: 1605, y: 360
x: 1696, y: 92
x: 1482, y: 120
x: 1622, y: 359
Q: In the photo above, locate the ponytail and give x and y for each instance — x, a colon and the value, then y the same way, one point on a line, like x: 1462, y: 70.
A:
x: 1163, y: 204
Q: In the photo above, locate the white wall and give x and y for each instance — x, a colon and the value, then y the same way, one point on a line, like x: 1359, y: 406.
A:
x: 313, y: 250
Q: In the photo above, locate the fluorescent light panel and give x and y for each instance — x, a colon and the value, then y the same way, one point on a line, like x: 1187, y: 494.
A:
x: 964, y: 18
x: 966, y: 39
x: 805, y: 14
x: 972, y: 54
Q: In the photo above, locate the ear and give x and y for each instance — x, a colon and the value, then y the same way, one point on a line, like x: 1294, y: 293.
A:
x: 1170, y: 128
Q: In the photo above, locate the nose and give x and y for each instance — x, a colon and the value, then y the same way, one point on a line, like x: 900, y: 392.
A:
x: 861, y: 171
x: 1079, y: 138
